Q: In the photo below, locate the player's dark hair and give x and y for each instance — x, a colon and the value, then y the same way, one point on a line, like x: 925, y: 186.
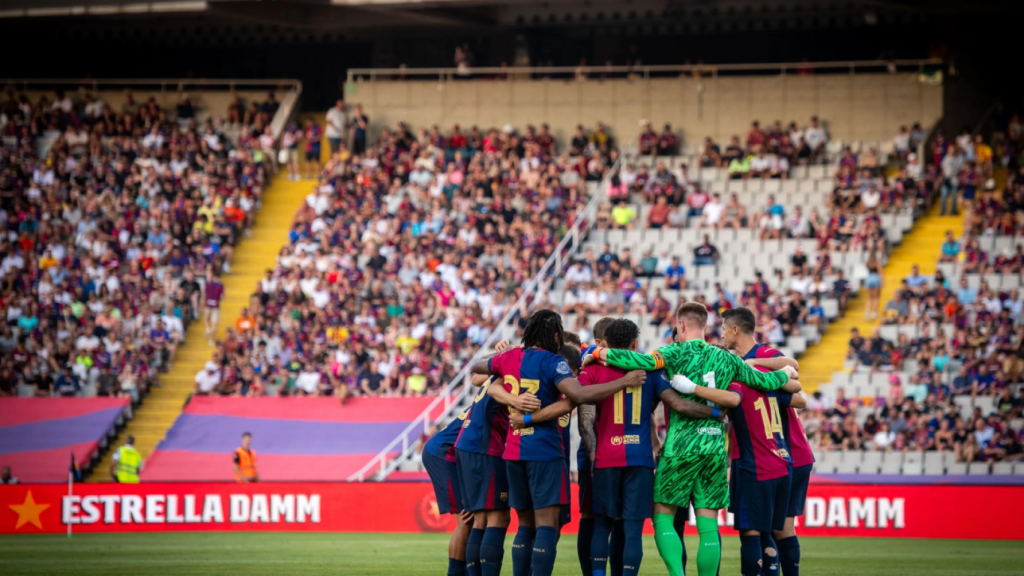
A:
x: 601, y: 326
x: 544, y: 331
x: 572, y: 339
x: 741, y: 317
x: 244, y: 434
x: 621, y: 333
x: 693, y: 313
x: 572, y: 356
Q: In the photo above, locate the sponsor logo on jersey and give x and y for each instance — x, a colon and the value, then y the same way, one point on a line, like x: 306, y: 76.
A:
x: 709, y: 431
x: 631, y: 439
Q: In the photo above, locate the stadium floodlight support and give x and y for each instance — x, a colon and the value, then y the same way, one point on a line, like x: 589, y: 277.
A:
x: 512, y: 73
x: 450, y: 398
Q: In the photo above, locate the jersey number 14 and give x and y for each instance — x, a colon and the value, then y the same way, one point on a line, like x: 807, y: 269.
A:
x: 770, y: 416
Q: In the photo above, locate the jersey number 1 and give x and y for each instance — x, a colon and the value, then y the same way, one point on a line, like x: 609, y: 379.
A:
x: 620, y: 404
x: 770, y: 416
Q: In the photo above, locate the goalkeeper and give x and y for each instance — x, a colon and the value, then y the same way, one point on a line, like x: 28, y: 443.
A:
x: 694, y: 461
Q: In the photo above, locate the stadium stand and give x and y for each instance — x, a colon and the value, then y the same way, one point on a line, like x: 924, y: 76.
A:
x: 295, y: 439
x: 936, y: 388
x: 117, y: 209
x: 40, y: 436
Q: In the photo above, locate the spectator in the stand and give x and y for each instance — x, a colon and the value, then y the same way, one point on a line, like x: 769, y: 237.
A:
x: 675, y: 275
x: 706, y: 254
x: 313, y: 137
x: 950, y: 248
x: 658, y: 215
x: 6, y: 477
x: 952, y: 166
x: 360, y: 127
x: 623, y: 215
x: 290, y: 151
x: 711, y: 155
x: 336, y: 123
x: 712, y: 212
x: 208, y: 379
x: 734, y: 214
x: 696, y: 201
x: 755, y: 137
x: 901, y: 143
x: 814, y: 138
x: 668, y: 143
x: 733, y: 153
x: 648, y: 140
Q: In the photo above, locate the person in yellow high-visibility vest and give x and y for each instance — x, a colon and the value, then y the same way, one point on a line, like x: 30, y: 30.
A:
x: 245, y: 461
x: 127, y: 463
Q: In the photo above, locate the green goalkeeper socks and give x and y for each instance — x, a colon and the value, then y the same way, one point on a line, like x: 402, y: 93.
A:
x: 669, y: 545
x: 709, y: 551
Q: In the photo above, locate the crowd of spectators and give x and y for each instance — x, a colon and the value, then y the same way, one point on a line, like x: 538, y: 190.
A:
x: 112, y: 213
x: 978, y: 355
x: 404, y: 257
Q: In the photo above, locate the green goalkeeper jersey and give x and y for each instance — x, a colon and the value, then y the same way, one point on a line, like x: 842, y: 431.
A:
x: 705, y: 365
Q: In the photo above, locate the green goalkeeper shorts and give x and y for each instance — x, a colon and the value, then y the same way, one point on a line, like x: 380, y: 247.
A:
x: 700, y: 479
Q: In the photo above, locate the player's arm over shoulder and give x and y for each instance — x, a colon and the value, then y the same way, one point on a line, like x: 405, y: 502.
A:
x: 631, y: 360
x: 776, y: 362
x: 764, y: 381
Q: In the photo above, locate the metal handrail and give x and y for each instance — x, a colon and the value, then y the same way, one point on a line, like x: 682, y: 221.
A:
x: 569, y: 245
x: 522, y: 72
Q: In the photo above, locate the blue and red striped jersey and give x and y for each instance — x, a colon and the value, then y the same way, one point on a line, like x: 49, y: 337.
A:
x: 537, y: 372
x: 623, y: 426
x: 442, y: 443
x: 796, y: 439
x: 484, y: 430
x: 757, y: 435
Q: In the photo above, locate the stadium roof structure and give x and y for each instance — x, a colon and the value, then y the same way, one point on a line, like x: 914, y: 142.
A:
x: 355, y: 15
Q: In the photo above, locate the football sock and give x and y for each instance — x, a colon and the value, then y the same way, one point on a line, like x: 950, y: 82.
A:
x: 769, y: 555
x: 492, y: 551
x: 682, y: 517
x: 456, y: 567
x: 586, y: 534
x: 545, y: 548
x: 476, y: 535
x: 599, y: 545
x: 615, y: 548
x: 522, y: 551
x: 709, y: 551
x: 789, y: 556
x: 670, y: 547
x: 633, y: 551
x: 750, y: 555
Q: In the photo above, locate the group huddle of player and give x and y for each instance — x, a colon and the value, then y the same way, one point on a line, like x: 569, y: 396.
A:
x: 510, y: 449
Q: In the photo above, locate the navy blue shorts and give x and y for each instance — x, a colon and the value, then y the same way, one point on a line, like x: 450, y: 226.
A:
x: 445, y: 479
x: 565, y: 514
x: 625, y: 492
x: 758, y: 504
x: 537, y: 484
x: 586, y: 492
x: 799, y: 480
x: 484, y: 481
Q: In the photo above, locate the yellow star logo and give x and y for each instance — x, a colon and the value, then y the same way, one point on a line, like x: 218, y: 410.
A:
x: 28, y: 512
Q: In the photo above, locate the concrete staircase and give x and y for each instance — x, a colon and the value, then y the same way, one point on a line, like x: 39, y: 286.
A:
x: 252, y: 257
x: 920, y: 246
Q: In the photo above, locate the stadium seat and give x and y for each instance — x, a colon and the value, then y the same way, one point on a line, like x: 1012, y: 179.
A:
x: 1002, y: 468
x: 849, y: 463
x: 828, y: 463
x: 892, y: 463
x: 978, y: 469
x: 956, y: 469
x: 1018, y: 469
x: 935, y: 463
x: 871, y: 462
x: 913, y: 463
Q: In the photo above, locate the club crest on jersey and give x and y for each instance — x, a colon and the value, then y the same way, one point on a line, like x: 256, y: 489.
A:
x: 563, y: 368
x: 503, y: 496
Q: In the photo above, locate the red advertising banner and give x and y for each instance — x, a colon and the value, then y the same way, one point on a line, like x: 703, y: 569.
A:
x: 981, y: 512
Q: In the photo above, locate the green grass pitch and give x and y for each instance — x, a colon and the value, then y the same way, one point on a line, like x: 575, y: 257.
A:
x: 426, y: 555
